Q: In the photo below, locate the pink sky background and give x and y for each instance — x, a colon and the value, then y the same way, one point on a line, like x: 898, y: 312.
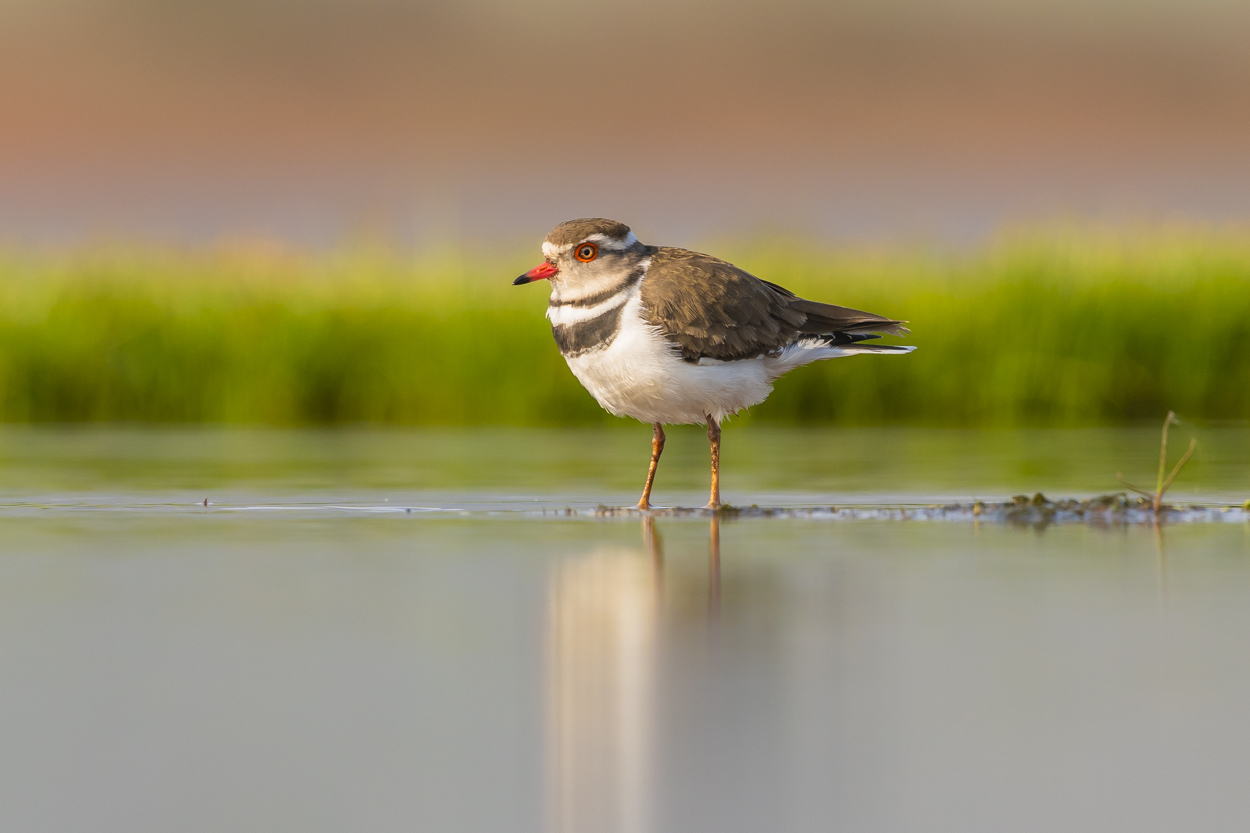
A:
x: 312, y: 122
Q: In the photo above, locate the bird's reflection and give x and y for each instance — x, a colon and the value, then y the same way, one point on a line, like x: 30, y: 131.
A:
x: 713, y: 569
x: 655, y: 548
x: 605, y: 629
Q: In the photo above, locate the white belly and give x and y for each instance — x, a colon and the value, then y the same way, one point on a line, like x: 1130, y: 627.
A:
x: 641, y: 375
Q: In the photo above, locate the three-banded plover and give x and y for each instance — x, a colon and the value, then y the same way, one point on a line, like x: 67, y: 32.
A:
x: 667, y: 335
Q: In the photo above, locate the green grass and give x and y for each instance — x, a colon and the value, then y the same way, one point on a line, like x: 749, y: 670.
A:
x: 1073, y: 329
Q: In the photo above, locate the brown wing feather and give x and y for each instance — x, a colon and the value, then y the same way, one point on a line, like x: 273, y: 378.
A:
x: 710, y: 308
x: 827, y: 318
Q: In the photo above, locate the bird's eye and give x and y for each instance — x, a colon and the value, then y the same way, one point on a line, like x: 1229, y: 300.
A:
x: 586, y: 252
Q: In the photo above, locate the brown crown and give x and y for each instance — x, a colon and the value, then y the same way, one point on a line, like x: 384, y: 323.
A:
x: 575, y: 231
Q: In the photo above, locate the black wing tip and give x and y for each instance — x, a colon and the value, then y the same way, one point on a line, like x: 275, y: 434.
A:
x: 854, y: 337
x: 836, y: 339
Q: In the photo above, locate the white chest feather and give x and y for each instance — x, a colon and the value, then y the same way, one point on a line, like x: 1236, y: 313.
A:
x: 641, y: 375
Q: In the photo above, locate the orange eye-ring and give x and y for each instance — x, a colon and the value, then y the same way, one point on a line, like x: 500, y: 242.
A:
x: 586, y: 252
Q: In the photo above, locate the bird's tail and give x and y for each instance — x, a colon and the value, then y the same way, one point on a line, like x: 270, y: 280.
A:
x: 831, y: 346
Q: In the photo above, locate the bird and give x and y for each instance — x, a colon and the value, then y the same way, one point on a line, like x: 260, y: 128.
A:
x: 670, y: 336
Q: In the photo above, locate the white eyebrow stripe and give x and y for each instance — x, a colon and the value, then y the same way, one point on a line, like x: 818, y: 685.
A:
x: 610, y: 244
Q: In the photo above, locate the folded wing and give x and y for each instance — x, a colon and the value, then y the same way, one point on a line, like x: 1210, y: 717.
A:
x: 712, y: 309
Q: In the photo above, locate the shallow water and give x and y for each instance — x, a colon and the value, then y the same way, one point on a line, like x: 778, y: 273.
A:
x: 330, y: 663
x: 580, y: 467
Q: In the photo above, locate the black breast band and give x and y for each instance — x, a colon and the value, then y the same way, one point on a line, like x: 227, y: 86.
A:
x: 585, y: 336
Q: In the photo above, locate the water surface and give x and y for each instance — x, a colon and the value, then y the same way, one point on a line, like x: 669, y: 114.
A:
x: 165, y: 665
x: 587, y: 467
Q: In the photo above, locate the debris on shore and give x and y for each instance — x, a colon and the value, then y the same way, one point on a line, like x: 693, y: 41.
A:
x: 1036, y: 511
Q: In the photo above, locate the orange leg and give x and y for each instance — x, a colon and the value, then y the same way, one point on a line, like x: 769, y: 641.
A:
x: 713, y: 435
x: 657, y: 448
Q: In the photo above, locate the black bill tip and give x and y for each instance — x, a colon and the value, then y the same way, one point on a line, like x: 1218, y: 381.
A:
x: 521, y: 280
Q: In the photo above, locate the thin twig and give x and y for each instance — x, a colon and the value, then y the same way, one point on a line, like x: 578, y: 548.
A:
x: 1131, y: 487
x: 1193, y: 443
x: 1162, y: 484
x: 1163, y: 452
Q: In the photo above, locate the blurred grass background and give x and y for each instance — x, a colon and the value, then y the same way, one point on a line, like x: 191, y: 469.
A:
x: 1055, y: 329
